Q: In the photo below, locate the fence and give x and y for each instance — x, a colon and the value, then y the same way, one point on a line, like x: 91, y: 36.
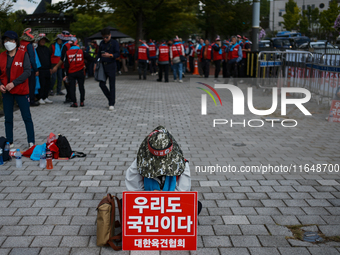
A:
x: 317, y: 72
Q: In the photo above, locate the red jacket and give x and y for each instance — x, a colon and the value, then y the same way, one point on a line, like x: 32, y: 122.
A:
x: 75, y: 58
x: 176, y: 50
x: 17, y: 69
x: 163, y: 53
x: 152, y: 50
x: 216, y: 54
x: 23, y: 45
x: 233, y: 53
x: 208, y: 53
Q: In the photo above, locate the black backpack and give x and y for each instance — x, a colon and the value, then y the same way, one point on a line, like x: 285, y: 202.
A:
x: 5, y: 154
x: 65, y: 150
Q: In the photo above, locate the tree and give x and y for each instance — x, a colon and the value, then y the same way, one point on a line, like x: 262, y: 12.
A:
x: 86, y: 25
x: 304, y: 23
x: 292, y: 15
x: 264, y: 13
x: 327, y: 18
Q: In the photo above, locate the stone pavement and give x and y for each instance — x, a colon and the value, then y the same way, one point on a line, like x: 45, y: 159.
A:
x: 53, y: 212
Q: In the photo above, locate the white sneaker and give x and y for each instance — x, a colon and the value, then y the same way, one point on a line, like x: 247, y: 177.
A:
x: 180, y: 81
x: 156, y: 73
x: 48, y: 101
x: 111, y: 108
x: 30, y: 145
x: 41, y: 101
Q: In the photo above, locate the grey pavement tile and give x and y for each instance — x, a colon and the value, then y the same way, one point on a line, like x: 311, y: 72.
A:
x: 273, y: 241
x: 85, y: 251
x: 293, y: 251
x: 311, y: 219
x: 75, y: 241
x: 276, y: 230
x: 234, y: 251
x: 204, y: 251
x: 17, y: 241
x: 58, y: 220
x: 4, y: 251
x: 232, y: 220
x: 210, y: 220
x: 12, y: 230
x: 264, y: 251
x: 323, y: 250
x: 66, y: 230
x: 32, y: 220
x: 25, y: 251
x: 51, y: 211
x: 298, y: 243
x: 89, y: 230
x: 315, y: 211
x: 286, y: 220
x: 216, y: 241
x: 203, y: 230
x: 46, y: 241
x: 258, y: 220
x: 330, y: 230
x: 39, y: 230
x: 55, y: 251
x: 227, y: 230
x: 254, y: 230
x: 245, y: 241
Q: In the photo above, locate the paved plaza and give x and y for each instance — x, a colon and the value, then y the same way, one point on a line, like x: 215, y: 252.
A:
x: 53, y: 211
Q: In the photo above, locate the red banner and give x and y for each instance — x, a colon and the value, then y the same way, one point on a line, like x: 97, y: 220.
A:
x: 159, y: 220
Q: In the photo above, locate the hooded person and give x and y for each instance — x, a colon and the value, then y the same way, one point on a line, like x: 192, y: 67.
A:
x: 26, y: 44
x: 159, y: 166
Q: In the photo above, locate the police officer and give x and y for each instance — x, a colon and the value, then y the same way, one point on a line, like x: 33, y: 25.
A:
x: 108, y: 53
x: 92, y: 51
x: 217, y: 55
x: 142, y: 55
x: 163, y: 61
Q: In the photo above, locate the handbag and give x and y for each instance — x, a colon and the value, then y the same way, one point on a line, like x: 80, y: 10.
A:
x: 181, y: 58
x: 99, y: 74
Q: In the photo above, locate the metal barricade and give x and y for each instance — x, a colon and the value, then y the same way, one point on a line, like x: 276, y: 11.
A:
x: 252, y: 64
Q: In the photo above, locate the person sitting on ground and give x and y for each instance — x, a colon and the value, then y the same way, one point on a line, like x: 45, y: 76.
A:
x: 159, y: 166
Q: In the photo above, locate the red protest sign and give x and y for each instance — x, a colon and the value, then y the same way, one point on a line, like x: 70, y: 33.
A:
x: 159, y: 220
x: 334, y: 113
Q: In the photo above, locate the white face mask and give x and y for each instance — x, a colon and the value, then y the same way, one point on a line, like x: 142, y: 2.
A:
x: 10, y: 46
x: 35, y: 45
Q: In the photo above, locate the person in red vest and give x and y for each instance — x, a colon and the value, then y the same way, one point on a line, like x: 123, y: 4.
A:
x: 142, y: 55
x: 163, y: 61
x: 67, y: 43
x: 225, y: 50
x: 206, y: 56
x: 27, y: 39
x: 74, y: 65
x: 177, y: 50
x: 234, y: 57
x: 191, y: 53
x: 55, y: 49
x: 243, y: 62
x: 153, y: 57
x: 217, y: 55
x: 15, y: 69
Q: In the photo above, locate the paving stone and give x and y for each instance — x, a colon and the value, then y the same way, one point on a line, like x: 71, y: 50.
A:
x: 258, y: 220
x: 227, y: 230
x: 12, y: 230
x: 234, y: 251
x: 286, y: 220
x: 293, y: 251
x: 55, y: 251
x: 232, y: 220
x: 216, y: 241
x: 273, y: 241
x: 330, y: 230
x: 75, y: 241
x: 46, y: 241
x: 24, y: 251
x: 264, y: 251
x: 328, y: 182
x: 85, y: 251
x: 276, y: 230
x: 39, y: 230
x: 254, y: 230
x: 66, y: 230
x: 323, y: 250
x: 202, y: 251
x: 306, y: 220
x: 298, y: 243
x: 17, y: 241
x: 210, y: 220
x: 32, y: 220
x: 245, y: 241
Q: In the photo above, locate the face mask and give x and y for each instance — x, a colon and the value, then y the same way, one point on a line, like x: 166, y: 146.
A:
x: 35, y: 45
x: 10, y: 46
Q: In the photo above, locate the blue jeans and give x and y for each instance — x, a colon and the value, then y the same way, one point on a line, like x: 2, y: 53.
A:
x: 177, y: 68
x: 57, y: 75
x: 24, y: 105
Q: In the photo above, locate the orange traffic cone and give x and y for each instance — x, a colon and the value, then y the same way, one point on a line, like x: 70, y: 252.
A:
x: 196, y: 68
x: 188, y: 65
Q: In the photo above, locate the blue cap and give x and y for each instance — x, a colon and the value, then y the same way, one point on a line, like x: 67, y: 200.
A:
x: 10, y: 34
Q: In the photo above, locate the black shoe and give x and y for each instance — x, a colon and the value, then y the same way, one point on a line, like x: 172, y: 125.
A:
x: 61, y: 94
x: 166, y: 81
x: 74, y: 105
x: 144, y: 78
x: 140, y: 77
x: 82, y: 104
x: 159, y: 80
x: 34, y: 104
x: 67, y: 100
x: 51, y: 93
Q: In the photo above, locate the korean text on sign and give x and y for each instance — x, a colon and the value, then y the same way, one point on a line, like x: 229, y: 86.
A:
x: 159, y: 220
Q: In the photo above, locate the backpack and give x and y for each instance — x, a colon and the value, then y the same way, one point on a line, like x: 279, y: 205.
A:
x: 65, y: 150
x: 5, y: 154
x: 106, y: 222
